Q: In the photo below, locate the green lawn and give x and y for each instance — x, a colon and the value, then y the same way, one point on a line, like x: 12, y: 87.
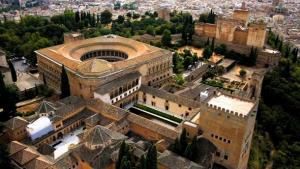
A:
x: 170, y: 117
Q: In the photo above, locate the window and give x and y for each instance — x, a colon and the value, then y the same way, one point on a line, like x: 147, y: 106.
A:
x: 212, y: 135
x: 224, y: 140
x: 190, y: 108
x: 216, y: 136
x: 80, y: 86
x: 153, y: 97
x: 167, y: 107
x: 220, y: 138
x: 179, y: 105
x: 218, y: 154
x: 228, y: 141
x: 167, y: 101
x: 186, y: 114
x: 153, y: 103
x: 226, y: 157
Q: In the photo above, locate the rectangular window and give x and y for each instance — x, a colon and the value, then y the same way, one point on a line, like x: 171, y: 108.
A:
x: 226, y: 157
x: 167, y: 107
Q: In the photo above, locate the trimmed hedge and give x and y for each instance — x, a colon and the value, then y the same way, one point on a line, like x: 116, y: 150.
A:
x: 170, y: 117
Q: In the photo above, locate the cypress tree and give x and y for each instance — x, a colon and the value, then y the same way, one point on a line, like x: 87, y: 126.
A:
x: 142, y: 163
x: 125, y: 164
x: 280, y: 46
x: 287, y: 51
x: 295, y: 55
x: 121, y: 154
x: 44, y: 80
x: 183, y: 140
x: 177, y: 147
x: 188, y: 152
x: 12, y: 71
x: 64, y: 83
x: 151, y: 158
x: 207, y: 42
x: 276, y: 40
x: 212, y: 47
x: 77, y: 17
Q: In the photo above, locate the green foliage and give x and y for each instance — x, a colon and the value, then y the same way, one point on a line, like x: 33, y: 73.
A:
x: 8, y: 99
x: 166, y: 38
x: 64, y: 83
x: 221, y: 49
x: 208, y: 17
x: 213, y: 72
x: 242, y: 73
x: 12, y: 71
x: 150, y: 30
x: 278, y: 116
x: 179, y: 79
x: 156, y: 112
x: 188, y: 28
x: 214, y: 83
x: 183, y: 61
x: 105, y: 17
x: 151, y: 158
x: 207, y: 53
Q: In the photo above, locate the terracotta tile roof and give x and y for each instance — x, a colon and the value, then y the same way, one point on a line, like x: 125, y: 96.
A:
x: 38, y: 163
x: 69, y: 54
x: 174, y: 161
x: 15, y: 122
x: 106, y: 88
x: 15, y: 147
x: 24, y: 156
x: 170, y: 97
x: 152, y: 126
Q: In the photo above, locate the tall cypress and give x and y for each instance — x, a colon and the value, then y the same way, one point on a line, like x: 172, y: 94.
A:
x: 212, y: 46
x: 64, y: 83
x: 183, y: 140
x: 142, y: 163
x: 12, y: 71
x: 151, y: 158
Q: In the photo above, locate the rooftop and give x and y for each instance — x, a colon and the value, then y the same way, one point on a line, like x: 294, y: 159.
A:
x: 232, y: 104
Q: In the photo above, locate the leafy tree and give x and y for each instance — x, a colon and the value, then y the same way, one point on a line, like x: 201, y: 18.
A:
x: 221, y: 49
x: 166, y: 38
x: 150, y: 30
x: 207, y: 53
x: 121, y: 19
x: 242, y: 73
x: 106, y: 16
x: 64, y: 83
x: 12, y: 71
x: 179, y: 79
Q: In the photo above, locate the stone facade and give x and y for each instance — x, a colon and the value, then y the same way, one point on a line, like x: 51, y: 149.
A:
x: 235, y: 30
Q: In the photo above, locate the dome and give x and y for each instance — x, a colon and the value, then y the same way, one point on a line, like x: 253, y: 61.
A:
x: 101, y: 136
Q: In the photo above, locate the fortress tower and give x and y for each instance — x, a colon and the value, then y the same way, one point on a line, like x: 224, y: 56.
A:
x: 256, y: 34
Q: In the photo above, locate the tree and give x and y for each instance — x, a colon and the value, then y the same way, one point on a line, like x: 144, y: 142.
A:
x: 242, y: 73
x: 5, y: 162
x: 221, y: 49
x: 207, y: 42
x: 179, y: 79
x: 183, y: 140
x: 188, y: 152
x: 166, y: 38
x: 151, y: 158
x: 12, y: 71
x: 295, y: 55
x: 10, y: 98
x: 211, y: 17
x: 64, y: 83
x: 212, y: 46
x: 207, y: 53
x: 125, y: 163
x: 150, y: 30
x: 142, y: 163
x: 120, y: 19
x: 252, y: 56
x: 105, y: 17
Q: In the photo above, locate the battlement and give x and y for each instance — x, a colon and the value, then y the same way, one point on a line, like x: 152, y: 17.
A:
x: 226, y: 111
